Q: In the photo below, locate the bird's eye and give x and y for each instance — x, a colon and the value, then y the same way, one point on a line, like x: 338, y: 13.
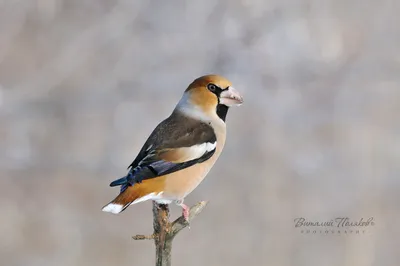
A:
x: 212, y: 87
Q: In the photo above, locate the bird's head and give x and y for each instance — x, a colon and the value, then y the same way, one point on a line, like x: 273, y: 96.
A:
x: 212, y: 94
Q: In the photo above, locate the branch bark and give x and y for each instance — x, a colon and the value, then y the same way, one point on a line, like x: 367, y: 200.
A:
x: 165, y: 231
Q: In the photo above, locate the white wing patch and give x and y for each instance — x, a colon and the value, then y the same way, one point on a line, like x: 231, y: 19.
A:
x: 191, y: 153
x: 211, y: 146
x: 196, y: 151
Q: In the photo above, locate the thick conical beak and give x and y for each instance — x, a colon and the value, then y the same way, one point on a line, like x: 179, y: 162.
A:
x: 230, y: 97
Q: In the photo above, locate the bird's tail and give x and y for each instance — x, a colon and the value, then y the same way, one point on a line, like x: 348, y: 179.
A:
x: 133, y: 194
x: 123, y: 200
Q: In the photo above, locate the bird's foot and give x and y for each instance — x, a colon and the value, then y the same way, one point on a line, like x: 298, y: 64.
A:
x: 185, y: 210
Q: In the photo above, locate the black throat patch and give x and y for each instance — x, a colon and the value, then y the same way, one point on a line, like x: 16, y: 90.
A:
x: 222, y: 111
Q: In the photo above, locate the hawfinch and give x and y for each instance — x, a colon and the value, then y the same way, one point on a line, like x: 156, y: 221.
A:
x: 182, y: 148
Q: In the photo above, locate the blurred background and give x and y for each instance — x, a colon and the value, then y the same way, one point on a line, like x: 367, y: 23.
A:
x: 83, y: 83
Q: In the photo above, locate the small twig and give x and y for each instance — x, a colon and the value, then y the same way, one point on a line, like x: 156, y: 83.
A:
x: 143, y: 237
x: 181, y: 223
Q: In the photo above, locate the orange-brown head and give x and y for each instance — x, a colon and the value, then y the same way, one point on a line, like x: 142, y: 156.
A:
x: 211, y: 94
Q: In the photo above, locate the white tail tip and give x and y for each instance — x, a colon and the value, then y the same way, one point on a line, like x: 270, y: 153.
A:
x: 113, y: 208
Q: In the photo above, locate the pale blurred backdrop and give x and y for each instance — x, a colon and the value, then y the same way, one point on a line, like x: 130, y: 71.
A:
x: 84, y: 82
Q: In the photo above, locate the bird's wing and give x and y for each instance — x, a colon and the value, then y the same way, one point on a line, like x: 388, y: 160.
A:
x: 177, y: 143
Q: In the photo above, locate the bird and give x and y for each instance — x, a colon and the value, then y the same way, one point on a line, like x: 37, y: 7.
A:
x: 182, y: 149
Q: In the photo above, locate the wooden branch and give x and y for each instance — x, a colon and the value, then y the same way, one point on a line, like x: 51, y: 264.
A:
x: 162, y: 227
x: 165, y: 231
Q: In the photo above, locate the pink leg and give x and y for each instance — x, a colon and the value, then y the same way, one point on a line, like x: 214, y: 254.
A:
x: 185, y: 210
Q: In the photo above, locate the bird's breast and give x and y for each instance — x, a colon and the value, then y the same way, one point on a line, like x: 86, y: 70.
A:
x: 179, y: 184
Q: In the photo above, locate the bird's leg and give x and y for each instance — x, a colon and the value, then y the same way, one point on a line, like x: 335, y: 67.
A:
x: 185, y: 209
